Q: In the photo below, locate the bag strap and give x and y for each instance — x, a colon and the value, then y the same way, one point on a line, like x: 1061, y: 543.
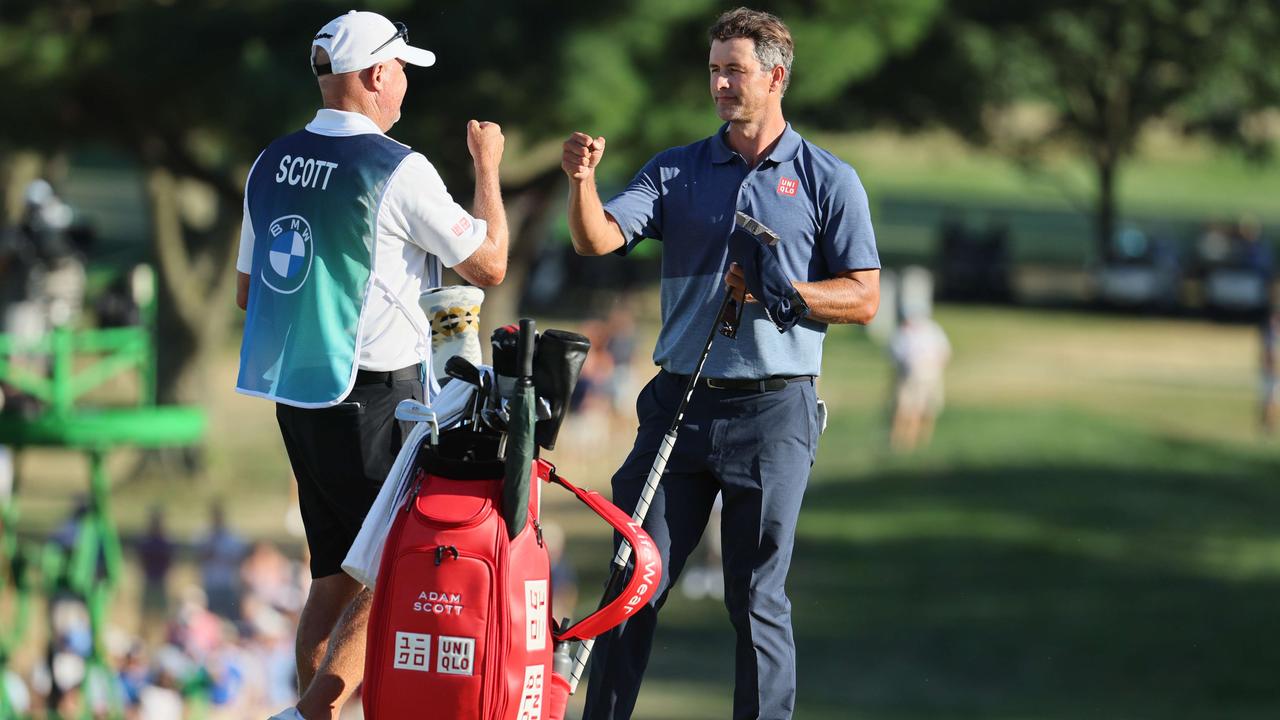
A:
x: 644, y: 579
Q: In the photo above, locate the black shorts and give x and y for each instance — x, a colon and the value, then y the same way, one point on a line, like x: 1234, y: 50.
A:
x: 341, y: 455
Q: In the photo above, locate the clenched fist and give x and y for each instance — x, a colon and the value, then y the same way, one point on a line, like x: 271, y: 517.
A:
x: 581, y: 155
x: 485, y: 141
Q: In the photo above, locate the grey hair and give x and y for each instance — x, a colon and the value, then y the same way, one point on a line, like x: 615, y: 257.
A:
x: 771, y: 36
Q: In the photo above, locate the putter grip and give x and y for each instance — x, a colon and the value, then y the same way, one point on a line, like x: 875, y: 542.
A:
x: 524, y: 354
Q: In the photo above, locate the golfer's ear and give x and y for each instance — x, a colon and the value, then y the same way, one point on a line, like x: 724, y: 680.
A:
x: 779, y: 78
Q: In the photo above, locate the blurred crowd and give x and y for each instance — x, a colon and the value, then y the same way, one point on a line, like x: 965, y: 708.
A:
x: 219, y: 648
x: 603, y: 401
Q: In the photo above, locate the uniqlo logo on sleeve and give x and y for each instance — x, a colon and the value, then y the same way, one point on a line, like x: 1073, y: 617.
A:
x: 535, y: 596
x: 531, y: 699
x: 464, y: 225
x: 413, y: 652
x: 787, y: 186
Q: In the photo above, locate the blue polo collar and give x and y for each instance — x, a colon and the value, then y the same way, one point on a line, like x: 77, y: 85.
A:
x: 787, y: 149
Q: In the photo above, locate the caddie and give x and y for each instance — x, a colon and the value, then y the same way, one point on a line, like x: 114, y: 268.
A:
x: 343, y: 229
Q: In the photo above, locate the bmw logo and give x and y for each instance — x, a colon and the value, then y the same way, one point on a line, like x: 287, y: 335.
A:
x: 289, y: 259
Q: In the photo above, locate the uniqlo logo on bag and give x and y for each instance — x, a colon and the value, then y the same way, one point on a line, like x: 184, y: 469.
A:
x: 455, y: 655
x: 531, y: 697
x: 787, y: 186
x: 535, y: 605
x: 413, y: 652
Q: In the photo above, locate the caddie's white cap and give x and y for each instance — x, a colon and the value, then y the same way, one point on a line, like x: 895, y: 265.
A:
x: 361, y: 39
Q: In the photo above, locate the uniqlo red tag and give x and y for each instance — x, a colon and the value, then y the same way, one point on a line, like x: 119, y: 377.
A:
x: 787, y: 186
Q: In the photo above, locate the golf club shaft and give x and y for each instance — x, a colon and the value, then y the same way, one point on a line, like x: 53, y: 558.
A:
x: 646, y: 495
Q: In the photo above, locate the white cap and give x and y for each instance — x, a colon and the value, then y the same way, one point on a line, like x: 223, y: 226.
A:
x: 359, y: 40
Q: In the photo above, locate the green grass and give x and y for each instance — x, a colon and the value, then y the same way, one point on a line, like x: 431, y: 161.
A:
x: 1092, y: 533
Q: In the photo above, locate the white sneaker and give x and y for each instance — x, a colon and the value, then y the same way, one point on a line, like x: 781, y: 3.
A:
x: 290, y: 714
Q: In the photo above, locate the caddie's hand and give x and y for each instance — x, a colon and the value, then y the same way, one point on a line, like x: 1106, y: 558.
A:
x: 582, y: 154
x: 485, y: 141
x: 736, y: 280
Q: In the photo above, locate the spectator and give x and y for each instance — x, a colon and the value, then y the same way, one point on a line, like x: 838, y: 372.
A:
x: 920, y: 353
x: 590, y: 394
x: 564, y: 579
x: 706, y: 578
x: 1268, y: 395
x: 155, y: 552
x: 620, y: 346
x: 220, y: 556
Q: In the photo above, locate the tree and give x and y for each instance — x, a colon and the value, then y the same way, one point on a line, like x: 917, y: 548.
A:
x: 194, y: 91
x: 1107, y: 68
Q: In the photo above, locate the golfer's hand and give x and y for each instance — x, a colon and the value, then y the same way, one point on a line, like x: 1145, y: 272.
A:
x: 485, y: 141
x: 582, y: 154
x: 736, y: 280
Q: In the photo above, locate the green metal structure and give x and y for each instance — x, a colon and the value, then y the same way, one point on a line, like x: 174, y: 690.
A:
x: 58, y: 370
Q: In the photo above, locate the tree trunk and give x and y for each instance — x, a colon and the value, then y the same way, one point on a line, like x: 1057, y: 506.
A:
x: 1106, y: 211
x: 17, y: 170
x: 196, y: 293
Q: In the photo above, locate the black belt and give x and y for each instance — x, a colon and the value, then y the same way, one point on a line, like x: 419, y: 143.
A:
x: 770, y: 384
x: 386, y: 377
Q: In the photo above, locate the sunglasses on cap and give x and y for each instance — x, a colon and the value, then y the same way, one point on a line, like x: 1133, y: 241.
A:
x: 402, y: 32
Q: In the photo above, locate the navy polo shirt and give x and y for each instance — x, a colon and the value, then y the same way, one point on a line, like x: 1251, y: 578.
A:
x: 686, y: 197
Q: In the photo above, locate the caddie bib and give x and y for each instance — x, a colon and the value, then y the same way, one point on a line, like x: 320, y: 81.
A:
x: 313, y: 201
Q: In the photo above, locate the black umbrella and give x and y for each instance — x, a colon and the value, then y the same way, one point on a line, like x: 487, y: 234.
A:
x: 520, y: 441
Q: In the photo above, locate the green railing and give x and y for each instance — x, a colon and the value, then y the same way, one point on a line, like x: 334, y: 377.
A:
x: 58, y: 370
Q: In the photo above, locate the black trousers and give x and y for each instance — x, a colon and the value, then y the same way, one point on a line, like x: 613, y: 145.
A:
x: 756, y: 449
x: 340, y: 456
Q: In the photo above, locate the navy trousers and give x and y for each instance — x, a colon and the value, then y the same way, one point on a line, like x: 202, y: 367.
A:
x: 756, y: 448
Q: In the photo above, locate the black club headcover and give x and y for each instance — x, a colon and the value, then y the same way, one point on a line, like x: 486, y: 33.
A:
x: 766, y: 280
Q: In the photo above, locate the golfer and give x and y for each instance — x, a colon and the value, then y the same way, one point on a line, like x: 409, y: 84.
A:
x: 752, y: 426
x: 343, y: 229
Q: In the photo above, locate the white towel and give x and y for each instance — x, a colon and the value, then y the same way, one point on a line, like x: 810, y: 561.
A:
x: 365, y: 556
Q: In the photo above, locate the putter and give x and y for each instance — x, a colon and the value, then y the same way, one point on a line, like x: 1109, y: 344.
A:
x: 619, y: 569
x: 732, y: 317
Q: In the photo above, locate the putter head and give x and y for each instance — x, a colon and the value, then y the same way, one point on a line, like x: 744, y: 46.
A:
x: 756, y: 228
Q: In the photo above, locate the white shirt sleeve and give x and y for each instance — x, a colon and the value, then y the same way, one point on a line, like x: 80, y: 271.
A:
x: 244, y: 259
x: 418, y: 208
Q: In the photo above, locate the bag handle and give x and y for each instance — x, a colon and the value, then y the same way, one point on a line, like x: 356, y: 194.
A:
x: 645, y: 575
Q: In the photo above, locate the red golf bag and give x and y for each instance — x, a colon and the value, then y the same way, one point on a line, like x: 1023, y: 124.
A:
x: 461, y: 624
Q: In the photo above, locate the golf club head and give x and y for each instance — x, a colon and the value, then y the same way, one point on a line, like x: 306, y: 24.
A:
x: 413, y: 411
x: 463, y: 369
x: 756, y: 228
x: 496, y: 420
